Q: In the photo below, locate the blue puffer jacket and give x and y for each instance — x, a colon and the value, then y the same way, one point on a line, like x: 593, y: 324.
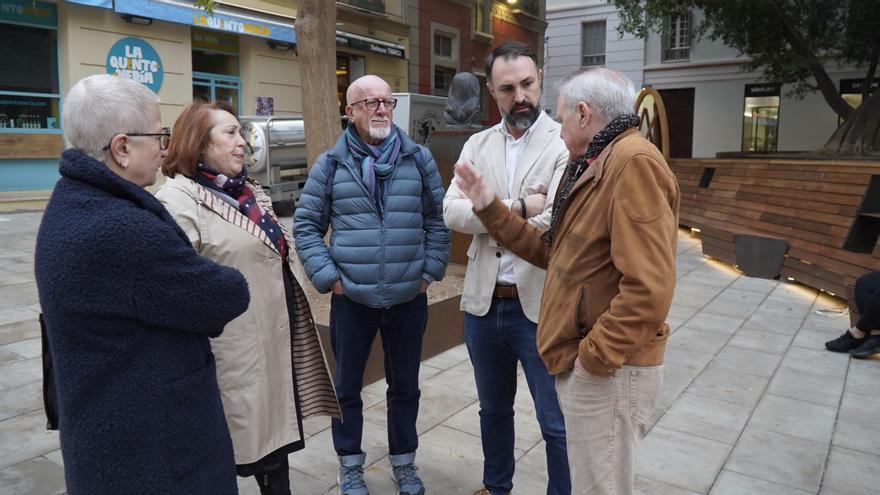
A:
x: 381, y: 259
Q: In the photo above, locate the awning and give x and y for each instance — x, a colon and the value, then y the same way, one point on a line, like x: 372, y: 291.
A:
x: 351, y: 40
x: 104, y: 4
x: 224, y: 18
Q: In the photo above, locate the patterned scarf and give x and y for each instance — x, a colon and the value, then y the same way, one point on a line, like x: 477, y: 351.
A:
x: 579, y: 165
x: 377, y: 162
x: 247, y: 203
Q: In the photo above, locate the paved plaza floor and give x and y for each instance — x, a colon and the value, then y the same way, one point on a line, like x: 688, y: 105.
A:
x: 751, y: 404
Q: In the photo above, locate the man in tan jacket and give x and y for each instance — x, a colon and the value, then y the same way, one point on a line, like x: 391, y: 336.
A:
x: 524, y: 158
x: 610, y: 260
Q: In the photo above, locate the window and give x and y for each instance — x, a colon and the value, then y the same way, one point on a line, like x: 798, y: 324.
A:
x: 29, y: 93
x: 215, y: 67
x: 761, y: 118
x: 442, y: 80
x: 593, y: 43
x: 483, y: 16
x: 442, y: 45
x: 444, y: 58
x: 370, y: 5
x: 677, y: 37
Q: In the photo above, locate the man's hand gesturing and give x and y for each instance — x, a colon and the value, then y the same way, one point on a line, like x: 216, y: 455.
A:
x: 471, y: 184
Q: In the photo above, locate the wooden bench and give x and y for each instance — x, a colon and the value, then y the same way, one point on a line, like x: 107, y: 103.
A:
x: 828, y: 213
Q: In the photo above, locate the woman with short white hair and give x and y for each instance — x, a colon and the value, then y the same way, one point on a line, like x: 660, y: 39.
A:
x: 138, y: 402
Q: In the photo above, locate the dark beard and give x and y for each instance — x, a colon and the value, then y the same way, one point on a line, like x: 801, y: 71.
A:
x: 521, y: 120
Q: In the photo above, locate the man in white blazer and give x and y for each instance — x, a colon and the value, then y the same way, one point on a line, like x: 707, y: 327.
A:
x: 524, y: 158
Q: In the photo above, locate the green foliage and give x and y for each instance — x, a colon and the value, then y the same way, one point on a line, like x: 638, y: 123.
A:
x: 787, y: 40
x: 208, y: 5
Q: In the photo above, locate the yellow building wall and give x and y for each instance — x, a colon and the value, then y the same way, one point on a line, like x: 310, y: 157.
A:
x: 268, y: 72
x: 86, y: 35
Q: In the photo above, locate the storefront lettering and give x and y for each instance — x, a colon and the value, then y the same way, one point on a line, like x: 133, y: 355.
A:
x: 230, y: 25
x: 135, y: 59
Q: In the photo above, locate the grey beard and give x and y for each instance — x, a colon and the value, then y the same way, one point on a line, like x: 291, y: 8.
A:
x: 380, y: 132
x: 522, y: 120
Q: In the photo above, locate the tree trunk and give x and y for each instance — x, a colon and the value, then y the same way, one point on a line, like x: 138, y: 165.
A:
x: 860, y: 133
x: 316, y: 44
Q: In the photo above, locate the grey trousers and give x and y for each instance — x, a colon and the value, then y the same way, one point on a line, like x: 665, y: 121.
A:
x: 605, y: 419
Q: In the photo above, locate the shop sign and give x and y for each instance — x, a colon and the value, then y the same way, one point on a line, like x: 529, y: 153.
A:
x: 28, y: 12
x: 135, y: 59
x: 214, y: 41
x: 241, y: 22
x: 854, y: 86
x: 348, y: 40
x: 771, y: 89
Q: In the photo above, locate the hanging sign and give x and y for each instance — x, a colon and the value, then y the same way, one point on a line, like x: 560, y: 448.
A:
x: 135, y: 59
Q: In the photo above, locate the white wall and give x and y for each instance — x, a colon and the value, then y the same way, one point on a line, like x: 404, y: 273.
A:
x: 564, y: 45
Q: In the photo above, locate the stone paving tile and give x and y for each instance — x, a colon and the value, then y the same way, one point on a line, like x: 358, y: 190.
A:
x: 707, y: 418
x: 26, y: 349
x: 681, y: 459
x: 858, y: 422
x: 697, y: 341
x: 851, y: 473
x: 837, y: 322
x: 449, y: 461
x: 761, y: 341
x: 25, y: 437
x: 768, y: 321
x: 709, y: 322
x: 748, y: 361
x: 797, y: 384
x: 647, y: 486
x: 729, y: 308
x: 17, y: 373
x: 778, y: 458
x: 794, y: 417
x: 18, y: 315
x: 676, y: 378
x: 34, y: 477
x: 8, y: 356
x: 448, y: 359
x: 743, y: 297
x: 531, y: 471
x: 20, y: 400
x: 814, y: 338
x: 817, y: 361
x: 14, y: 296
x: 863, y: 376
x: 731, y: 483
x: 760, y: 285
x: 458, y: 380
x: 738, y: 388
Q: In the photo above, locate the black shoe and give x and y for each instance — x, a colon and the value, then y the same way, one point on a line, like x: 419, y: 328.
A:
x: 844, y: 343
x: 870, y: 346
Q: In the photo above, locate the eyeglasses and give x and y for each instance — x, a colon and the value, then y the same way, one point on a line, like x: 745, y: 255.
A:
x: 373, y: 103
x: 164, y: 137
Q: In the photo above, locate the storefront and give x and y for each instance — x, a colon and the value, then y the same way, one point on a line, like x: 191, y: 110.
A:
x: 236, y: 55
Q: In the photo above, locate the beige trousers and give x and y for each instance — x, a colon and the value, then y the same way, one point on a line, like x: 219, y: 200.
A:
x: 605, y: 419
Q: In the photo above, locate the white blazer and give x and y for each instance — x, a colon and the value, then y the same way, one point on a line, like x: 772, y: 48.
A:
x: 539, y: 171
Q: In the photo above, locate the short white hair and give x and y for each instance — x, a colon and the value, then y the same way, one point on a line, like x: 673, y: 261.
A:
x: 101, y: 106
x: 608, y: 92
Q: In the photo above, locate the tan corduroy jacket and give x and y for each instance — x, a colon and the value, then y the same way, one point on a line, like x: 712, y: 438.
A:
x: 258, y: 351
x: 611, y: 272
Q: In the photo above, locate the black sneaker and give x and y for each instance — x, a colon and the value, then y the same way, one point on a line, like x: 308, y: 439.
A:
x: 844, y: 343
x: 869, y: 347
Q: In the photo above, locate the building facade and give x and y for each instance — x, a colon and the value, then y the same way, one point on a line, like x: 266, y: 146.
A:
x: 712, y: 104
x: 453, y: 36
x: 244, y: 53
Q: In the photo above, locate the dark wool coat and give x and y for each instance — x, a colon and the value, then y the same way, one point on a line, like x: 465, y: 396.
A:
x: 129, y: 307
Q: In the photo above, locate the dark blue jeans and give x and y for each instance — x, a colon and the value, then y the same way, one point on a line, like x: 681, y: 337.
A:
x: 496, y: 342
x: 353, y: 327
x: 867, y: 296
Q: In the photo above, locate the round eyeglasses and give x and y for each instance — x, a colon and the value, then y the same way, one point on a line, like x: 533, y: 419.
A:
x: 164, y: 137
x: 373, y: 103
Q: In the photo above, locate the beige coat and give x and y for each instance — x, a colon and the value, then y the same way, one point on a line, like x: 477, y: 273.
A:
x: 254, y: 352
x: 539, y: 170
x: 611, y: 273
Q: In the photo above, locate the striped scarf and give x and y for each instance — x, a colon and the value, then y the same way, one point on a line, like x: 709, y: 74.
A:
x: 579, y: 165
x: 236, y: 188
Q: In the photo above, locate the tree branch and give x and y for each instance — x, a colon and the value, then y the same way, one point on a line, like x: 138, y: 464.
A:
x: 826, y: 85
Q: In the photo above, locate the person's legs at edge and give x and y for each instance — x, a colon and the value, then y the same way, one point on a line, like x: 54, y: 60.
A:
x: 495, y: 374
x: 606, y: 419
x: 353, y: 327
x: 520, y: 333
x: 402, y: 329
